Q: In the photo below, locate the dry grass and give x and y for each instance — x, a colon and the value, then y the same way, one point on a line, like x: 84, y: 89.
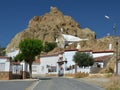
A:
x: 54, y: 75
x: 76, y: 75
x: 81, y: 75
x: 99, y: 75
x: 69, y: 75
x: 114, y: 83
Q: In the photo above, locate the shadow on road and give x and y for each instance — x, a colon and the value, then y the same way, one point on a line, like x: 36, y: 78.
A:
x: 43, y: 78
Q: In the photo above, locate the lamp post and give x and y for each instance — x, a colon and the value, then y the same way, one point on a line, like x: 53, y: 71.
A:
x: 116, y: 43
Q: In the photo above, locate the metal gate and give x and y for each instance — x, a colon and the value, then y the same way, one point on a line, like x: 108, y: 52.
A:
x: 17, y: 71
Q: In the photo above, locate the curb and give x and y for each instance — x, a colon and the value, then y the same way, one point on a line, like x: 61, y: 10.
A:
x: 18, y: 80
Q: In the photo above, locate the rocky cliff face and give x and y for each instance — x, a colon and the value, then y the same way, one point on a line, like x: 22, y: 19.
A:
x: 48, y: 28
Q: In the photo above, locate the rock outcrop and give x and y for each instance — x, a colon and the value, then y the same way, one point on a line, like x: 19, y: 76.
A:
x: 48, y: 28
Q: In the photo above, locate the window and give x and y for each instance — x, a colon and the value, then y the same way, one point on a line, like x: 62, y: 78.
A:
x: 2, y: 66
x: 52, y: 69
x: 34, y: 68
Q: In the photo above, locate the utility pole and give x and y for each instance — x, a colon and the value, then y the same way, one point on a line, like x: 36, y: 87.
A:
x: 116, y: 43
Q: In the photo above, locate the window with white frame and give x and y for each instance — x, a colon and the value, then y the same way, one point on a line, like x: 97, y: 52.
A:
x: 2, y: 66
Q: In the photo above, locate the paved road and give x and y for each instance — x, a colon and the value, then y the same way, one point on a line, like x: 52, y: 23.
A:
x: 64, y: 84
x: 15, y: 85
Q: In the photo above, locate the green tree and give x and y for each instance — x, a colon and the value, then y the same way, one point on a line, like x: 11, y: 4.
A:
x: 29, y: 48
x: 49, y: 46
x: 83, y: 59
x: 2, y: 51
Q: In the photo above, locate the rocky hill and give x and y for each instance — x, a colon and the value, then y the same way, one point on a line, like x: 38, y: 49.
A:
x: 48, y: 27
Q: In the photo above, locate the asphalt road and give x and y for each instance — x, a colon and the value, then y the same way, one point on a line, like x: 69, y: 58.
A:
x: 15, y: 84
x: 64, y: 84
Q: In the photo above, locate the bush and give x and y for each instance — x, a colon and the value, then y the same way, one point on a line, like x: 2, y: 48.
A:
x: 83, y: 59
x: 49, y: 46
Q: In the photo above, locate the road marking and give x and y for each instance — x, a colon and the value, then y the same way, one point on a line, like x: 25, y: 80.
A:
x: 33, y: 85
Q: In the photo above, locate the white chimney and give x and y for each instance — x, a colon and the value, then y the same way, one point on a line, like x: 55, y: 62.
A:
x: 78, y: 46
x: 110, y: 46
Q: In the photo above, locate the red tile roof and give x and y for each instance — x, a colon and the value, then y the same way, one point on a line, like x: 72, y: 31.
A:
x: 103, y: 58
x: 3, y: 57
x: 49, y: 55
x: 70, y: 50
x: 107, y: 51
x: 15, y: 63
x: 36, y: 60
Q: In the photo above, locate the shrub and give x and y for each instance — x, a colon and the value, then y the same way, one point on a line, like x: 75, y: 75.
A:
x: 83, y: 59
x: 49, y: 46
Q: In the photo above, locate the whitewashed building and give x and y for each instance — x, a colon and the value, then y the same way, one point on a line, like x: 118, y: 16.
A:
x: 65, y: 39
x: 5, y: 69
x: 13, y: 53
x: 49, y: 63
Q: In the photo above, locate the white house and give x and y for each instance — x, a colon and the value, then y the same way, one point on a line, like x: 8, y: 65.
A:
x: 48, y: 64
x: 4, y: 64
x: 65, y: 39
x: 13, y: 53
x: 102, y: 53
x: 51, y: 64
x: 101, y: 57
x: 5, y: 68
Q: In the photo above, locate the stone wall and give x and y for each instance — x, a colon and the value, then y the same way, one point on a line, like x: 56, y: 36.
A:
x: 9, y: 75
x: 5, y: 75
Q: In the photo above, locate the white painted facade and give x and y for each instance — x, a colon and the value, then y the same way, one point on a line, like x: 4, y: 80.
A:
x: 13, y: 53
x: 4, y: 64
x: 50, y: 61
x: 67, y: 39
x: 47, y: 62
x: 102, y: 54
x: 68, y: 55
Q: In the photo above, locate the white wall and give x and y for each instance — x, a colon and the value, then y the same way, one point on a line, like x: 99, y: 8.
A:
x: 49, y: 60
x: 13, y: 53
x: 102, y: 54
x: 82, y: 69
x: 68, y: 55
x: 36, y: 69
x: 6, y: 66
x: 98, y: 63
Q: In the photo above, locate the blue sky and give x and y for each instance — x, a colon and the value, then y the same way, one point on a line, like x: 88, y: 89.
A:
x: 15, y: 15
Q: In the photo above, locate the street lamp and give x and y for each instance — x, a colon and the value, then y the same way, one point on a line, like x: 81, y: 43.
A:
x: 116, y: 41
